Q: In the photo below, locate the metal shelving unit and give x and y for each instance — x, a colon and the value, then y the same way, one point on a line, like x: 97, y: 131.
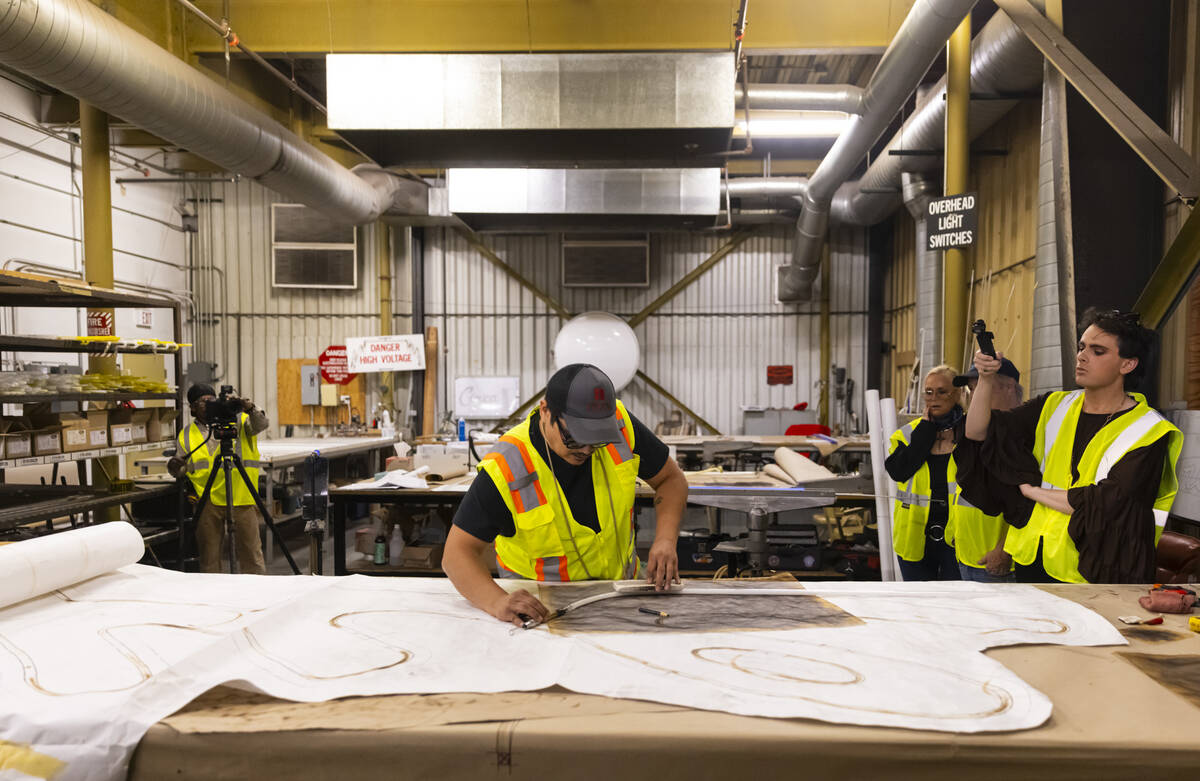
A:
x: 32, y: 290
x: 46, y: 344
x: 84, y: 455
x: 37, y: 398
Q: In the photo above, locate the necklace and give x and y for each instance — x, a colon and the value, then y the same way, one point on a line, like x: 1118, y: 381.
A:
x: 1119, y: 408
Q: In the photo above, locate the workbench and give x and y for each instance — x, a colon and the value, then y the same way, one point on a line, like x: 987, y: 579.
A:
x: 1110, y: 721
x: 279, y: 454
x: 450, y: 494
x: 706, y: 448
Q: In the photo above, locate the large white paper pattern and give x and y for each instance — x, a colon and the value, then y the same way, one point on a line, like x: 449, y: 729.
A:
x: 87, y: 669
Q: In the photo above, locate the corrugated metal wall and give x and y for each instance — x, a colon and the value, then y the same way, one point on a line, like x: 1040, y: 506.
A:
x: 1002, y: 259
x: 247, y: 324
x: 709, y: 346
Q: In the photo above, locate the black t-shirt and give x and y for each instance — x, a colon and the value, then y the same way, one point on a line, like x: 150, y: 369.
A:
x: 484, y: 515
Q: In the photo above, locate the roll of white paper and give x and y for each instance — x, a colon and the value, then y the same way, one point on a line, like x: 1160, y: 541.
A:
x: 800, y: 468
x: 771, y: 470
x: 31, y: 568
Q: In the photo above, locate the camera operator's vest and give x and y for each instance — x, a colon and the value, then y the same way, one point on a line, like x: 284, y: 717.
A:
x: 1055, y: 441
x: 549, y: 544
x: 201, y: 462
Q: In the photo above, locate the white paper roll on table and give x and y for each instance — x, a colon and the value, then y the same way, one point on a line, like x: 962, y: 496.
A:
x: 34, y: 567
x: 800, y: 468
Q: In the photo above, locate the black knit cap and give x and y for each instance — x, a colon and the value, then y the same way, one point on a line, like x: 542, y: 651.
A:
x: 199, y: 389
x: 582, y: 396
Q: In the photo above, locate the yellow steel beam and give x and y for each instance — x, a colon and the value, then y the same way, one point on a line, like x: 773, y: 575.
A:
x: 98, y: 254
x: 319, y: 26
x: 1173, y: 277
x: 955, y: 266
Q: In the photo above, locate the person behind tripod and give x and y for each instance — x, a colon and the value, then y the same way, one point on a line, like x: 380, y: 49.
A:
x: 196, y: 456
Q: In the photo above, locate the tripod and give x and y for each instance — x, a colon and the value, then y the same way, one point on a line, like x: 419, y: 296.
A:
x: 226, y: 461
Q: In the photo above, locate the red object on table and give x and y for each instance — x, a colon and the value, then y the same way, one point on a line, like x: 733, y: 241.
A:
x: 806, y: 429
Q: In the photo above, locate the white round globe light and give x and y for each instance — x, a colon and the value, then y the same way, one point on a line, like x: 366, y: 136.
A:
x: 603, y: 340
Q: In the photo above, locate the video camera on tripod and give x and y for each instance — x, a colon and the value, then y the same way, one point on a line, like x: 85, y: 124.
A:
x: 222, y: 413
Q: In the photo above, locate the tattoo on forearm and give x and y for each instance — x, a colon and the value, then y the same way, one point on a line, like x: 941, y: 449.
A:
x: 657, y: 501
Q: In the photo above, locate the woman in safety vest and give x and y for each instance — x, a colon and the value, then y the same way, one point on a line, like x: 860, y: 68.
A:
x: 921, y: 463
x: 1106, y: 460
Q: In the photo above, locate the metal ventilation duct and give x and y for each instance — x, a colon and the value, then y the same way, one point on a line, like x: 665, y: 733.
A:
x: 604, y: 198
x: 1002, y: 62
x: 918, y: 41
x: 471, y: 110
x: 918, y: 191
x: 77, y: 48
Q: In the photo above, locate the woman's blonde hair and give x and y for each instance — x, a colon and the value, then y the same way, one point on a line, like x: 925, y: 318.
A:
x: 949, y: 372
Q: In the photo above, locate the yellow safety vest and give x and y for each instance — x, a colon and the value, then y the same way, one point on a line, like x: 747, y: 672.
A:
x: 549, y: 544
x: 200, y: 463
x: 967, y: 528
x: 971, y: 532
x: 1053, y: 445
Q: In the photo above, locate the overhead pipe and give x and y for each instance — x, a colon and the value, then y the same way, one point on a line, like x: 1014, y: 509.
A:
x: 1003, y: 62
x: 918, y: 191
x: 917, y: 43
x: 801, y: 97
x: 77, y: 48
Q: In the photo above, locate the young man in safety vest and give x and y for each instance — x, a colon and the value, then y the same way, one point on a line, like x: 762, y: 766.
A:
x: 556, y: 496
x: 196, y: 455
x: 1106, y: 458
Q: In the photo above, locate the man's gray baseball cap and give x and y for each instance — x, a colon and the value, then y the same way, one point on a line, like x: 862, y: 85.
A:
x: 583, y: 397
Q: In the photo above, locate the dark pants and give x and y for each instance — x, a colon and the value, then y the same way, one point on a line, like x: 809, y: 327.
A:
x: 939, y: 563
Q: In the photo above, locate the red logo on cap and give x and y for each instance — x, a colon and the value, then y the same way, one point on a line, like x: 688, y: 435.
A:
x: 599, y: 394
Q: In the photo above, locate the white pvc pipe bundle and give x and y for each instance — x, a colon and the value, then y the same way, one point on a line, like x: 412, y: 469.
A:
x: 883, y: 489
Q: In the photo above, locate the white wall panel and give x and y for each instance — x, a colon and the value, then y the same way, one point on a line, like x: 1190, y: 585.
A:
x: 709, y: 346
x: 41, y: 228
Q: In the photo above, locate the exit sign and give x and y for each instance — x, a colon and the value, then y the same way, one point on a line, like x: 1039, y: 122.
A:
x: 144, y: 318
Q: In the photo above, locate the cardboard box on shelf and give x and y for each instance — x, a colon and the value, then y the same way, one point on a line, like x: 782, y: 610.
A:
x: 94, y: 423
x: 16, y: 438
x: 161, y: 425
x: 422, y: 556
x: 47, y: 441
x: 128, y: 426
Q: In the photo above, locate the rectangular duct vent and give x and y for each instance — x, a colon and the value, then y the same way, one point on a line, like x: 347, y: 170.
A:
x: 310, y: 250
x: 606, y: 260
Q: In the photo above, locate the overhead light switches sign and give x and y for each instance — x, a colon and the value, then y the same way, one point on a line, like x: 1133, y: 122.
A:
x: 951, y: 222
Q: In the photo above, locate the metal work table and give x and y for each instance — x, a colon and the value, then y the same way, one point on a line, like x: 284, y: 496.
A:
x: 704, y: 489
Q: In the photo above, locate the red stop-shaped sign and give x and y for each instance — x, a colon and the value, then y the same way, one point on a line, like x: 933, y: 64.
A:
x: 334, y: 366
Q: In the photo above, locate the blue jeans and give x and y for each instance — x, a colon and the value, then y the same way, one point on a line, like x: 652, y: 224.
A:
x: 981, y: 575
x: 937, y: 564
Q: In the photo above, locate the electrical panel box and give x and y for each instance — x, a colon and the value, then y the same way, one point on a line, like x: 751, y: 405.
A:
x: 310, y: 385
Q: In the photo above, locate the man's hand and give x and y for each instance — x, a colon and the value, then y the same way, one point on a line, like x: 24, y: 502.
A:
x: 176, y: 466
x: 996, y: 562
x: 1027, y: 491
x: 986, y: 365
x: 662, y: 566
x: 508, y: 607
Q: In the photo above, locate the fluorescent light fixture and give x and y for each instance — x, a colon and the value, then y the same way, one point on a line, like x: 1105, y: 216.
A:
x: 793, y: 124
